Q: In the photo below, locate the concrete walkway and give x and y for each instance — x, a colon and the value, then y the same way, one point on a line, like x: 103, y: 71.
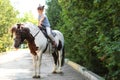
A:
x: 17, y: 65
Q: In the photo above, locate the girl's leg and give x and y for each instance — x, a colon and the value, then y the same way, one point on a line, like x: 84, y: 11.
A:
x: 48, y: 29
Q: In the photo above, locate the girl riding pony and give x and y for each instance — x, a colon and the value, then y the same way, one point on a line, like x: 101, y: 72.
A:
x: 44, y: 22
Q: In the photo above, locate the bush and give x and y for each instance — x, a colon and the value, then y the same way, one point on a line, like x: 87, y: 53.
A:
x: 92, y: 34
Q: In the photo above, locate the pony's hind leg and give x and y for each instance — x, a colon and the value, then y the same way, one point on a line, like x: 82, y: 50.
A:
x: 55, y: 57
x: 59, y: 70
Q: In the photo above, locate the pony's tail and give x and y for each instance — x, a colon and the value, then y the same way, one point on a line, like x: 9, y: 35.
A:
x: 63, y: 56
x: 59, y: 46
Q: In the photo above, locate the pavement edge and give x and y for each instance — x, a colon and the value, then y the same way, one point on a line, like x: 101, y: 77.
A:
x: 88, y: 74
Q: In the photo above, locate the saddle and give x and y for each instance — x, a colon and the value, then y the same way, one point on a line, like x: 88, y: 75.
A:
x: 43, y: 29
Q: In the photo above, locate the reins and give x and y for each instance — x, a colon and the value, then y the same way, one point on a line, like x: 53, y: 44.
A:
x: 36, y: 34
x: 38, y: 31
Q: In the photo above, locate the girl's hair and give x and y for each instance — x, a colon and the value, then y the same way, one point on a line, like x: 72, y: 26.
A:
x: 40, y: 7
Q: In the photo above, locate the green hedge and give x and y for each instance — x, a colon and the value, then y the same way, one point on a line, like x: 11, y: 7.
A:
x: 92, y: 34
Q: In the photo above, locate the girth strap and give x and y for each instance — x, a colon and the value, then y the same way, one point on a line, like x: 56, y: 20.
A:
x: 46, y: 46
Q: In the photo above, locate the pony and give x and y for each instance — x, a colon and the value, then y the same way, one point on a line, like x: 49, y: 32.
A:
x: 39, y: 44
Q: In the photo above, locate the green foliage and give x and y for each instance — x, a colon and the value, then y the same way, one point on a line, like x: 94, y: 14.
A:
x: 53, y: 13
x: 7, y: 19
x: 28, y: 17
x: 92, y: 33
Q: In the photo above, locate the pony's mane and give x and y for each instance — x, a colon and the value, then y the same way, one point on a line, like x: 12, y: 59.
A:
x: 33, y: 28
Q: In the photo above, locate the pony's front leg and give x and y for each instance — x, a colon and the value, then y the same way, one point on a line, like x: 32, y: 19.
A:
x: 39, y: 64
x: 35, y: 65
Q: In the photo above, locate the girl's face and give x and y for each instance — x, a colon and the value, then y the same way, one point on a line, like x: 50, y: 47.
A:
x: 40, y: 11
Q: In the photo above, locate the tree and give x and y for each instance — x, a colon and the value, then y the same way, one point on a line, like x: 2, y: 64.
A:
x: 28, y: 17
x: 7, y: 19
x: 53, y: 13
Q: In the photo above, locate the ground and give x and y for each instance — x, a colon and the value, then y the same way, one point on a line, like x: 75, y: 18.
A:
x: 17, y: 65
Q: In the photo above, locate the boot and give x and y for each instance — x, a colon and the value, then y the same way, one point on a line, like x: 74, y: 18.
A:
x: 54, y: 44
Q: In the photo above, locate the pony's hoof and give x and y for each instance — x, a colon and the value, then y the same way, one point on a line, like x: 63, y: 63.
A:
x: 54, y: 72
x: 34, y: 76
x: 60, y: 72
x: 38, y: 76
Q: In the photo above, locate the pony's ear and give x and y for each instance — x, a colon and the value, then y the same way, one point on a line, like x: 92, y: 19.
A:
x: 12, y: 30
x: 43, y: 7
x: 18, y: 26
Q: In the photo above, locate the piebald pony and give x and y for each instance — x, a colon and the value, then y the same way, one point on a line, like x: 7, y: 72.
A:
x: 38, y: 44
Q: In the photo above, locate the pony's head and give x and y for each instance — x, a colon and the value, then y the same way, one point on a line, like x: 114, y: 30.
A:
x: 19, y: 34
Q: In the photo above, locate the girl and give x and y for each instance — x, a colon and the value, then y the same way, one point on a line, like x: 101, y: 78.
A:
x: 44, y: 22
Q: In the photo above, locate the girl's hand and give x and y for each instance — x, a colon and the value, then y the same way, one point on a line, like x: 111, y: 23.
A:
x: 40, y: 25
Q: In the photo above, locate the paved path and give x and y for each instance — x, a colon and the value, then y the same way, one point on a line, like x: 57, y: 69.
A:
x: 17, y: 65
